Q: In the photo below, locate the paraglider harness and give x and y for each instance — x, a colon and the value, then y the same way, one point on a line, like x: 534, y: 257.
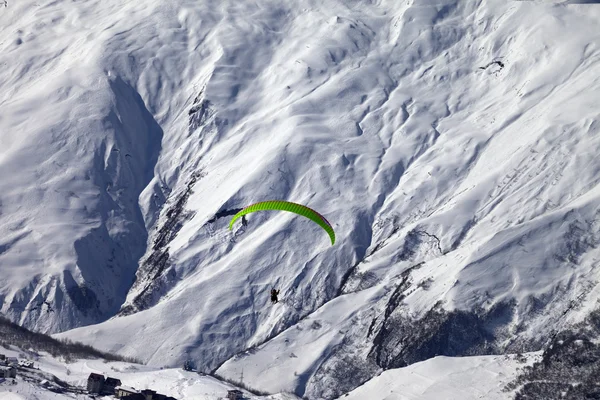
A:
x: 274, y: 294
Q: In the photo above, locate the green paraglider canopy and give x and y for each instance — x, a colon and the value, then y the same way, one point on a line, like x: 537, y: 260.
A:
x: 291, y: 207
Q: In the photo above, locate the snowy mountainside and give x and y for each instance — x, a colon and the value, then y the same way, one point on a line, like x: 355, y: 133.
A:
x: 451, y: 144
x: 77, y: 148
x: 183, y: 385
x: 481, y: 377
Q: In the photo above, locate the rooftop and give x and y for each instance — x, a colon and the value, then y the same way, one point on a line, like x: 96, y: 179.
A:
x: 126, y: 388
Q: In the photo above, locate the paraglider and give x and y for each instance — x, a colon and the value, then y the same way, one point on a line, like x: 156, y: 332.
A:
x: 291, y: 207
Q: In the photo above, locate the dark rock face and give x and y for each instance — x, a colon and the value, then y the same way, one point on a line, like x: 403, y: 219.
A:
x: 401, y: 341
x: 83, y: 297
x: 154, y: 277
x: 153, y: 273
x: 569, y: 368
x: 340, y: 374
x: 225, y: 213
x: 200, y: 112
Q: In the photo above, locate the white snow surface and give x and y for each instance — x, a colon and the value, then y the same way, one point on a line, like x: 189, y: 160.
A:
x: 471, y: 126
x: 449, y: 378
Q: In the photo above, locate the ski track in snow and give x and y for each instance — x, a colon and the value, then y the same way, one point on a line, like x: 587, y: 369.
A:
x: 391, y: 119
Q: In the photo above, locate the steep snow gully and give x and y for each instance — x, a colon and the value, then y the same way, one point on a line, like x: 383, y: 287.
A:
x: 452, y: 144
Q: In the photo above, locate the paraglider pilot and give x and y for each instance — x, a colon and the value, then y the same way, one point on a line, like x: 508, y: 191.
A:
x: 274, y: 294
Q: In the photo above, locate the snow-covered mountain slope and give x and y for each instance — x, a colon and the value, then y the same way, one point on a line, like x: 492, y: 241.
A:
x: 77, y: 147
x: 177, y: 383
x: 452, y: 144
x: 467, y: 378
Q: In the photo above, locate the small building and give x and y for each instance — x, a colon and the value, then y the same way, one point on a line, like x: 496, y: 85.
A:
x: 123, y: 391
x: 95, y: 383
x: 235, y: 394
x: 14, y: 361
x: 129, y: 393
x: 26, y: 364
x: 109, y: 385
x: 8, y: 372
x: 162, y: 397
x: 134, y: 396
x: 148, y: 394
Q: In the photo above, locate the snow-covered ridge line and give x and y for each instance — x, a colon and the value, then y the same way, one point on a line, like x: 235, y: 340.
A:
x: 15, y: 335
